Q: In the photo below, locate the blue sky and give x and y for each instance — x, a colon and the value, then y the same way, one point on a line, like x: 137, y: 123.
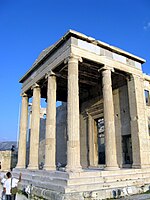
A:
x: 29, y: 26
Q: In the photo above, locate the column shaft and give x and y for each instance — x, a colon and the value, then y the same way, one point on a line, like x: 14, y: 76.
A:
x: 50, y: 140
x: 139, y: 125
x: 35, y: 126
x: 110, y: 137
x: 23, y: 133
x: 73, y: 143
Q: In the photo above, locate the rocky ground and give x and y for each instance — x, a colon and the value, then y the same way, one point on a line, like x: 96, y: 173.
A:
x: 137, y: 197
x: 134, y: 197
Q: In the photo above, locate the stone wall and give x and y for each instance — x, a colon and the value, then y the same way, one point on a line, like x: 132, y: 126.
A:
x: 42, y: 142
x: 122, y: 120
x: 8, y: 160
x: 147, y: 87
x: 61, y: 134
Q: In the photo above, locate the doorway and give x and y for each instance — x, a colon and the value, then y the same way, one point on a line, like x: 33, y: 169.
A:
x: 127, y: 150
x: 100, y: 141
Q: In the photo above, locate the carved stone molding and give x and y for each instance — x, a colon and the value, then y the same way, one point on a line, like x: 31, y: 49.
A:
x: 35, y: 85
x: 50, y: 73
x: 131, y: 77
x: 71, y: 57
x: 106, y: 67
x: 23, y: 94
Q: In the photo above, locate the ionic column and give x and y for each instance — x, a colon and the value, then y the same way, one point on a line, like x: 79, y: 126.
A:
x: 139, y: 122
x: 110, y: 137
x: 73, y: 143
x: 23, y: 133
x: 50, y: 140
x: 35, y: 126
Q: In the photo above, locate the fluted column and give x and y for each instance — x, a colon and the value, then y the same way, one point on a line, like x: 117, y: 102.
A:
x: 23, y: 133
x: 50, y: 140
x: 35, y: 126
x: 139, y: 122
x: 110, y: 137
x: 73, y: 143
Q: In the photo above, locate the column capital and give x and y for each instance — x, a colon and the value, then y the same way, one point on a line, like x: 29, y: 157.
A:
x: 106, y: 67
x: 133, y: 76
x: 23, y: 94
x: 72, y: 57
x: 35, y: 85
x: 49, y: 73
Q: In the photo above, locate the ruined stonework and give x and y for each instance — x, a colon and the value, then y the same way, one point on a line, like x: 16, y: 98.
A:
x: 8, y: 155
x: 96, y: 144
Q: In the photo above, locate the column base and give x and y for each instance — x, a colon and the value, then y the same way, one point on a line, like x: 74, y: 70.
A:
x: 20, y: 167
x: 49, y: 168
x: 136, y: 166
x: 140, y: 166
x: 30, y: 167
x: 111, y: 168
x: 73, y: 169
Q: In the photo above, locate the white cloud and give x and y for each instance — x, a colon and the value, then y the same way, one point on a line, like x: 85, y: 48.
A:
x: 147, y: 26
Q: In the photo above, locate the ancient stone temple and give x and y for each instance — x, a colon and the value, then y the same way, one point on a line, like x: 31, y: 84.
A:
x: 101, y: 131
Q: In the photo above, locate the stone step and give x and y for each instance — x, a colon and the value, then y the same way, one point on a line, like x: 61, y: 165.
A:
x: 41, y: 173
x: 107, y: 179
x: 33, y: 179
x: 44, y: 185
x: 49, y: 185
x: 92, y: 180
x: 104, y: 186
x: 53, y: 180
x: 84, y: 173
x: 126, y: 177
x: 75, y: 181
x: 83, y: 181
x: 93, y: 173
x: 61, y: 179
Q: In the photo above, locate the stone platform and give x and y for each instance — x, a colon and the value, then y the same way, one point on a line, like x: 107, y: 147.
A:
x: 87, y: 184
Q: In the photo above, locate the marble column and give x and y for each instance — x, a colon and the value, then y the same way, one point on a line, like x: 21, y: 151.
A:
x: 110, y: 137
x: 139, y: 122
x: 35, y: 126
x: 73, y: 143
x: 50, y: 140
x: 23, y: 133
